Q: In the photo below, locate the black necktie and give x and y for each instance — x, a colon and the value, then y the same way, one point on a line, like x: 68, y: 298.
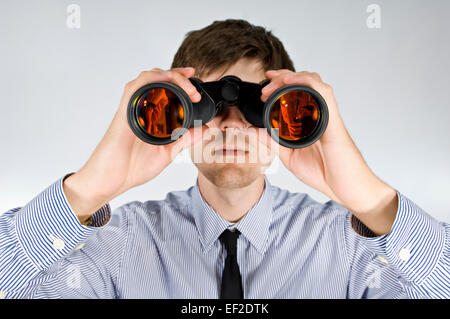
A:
x: 231, y: 278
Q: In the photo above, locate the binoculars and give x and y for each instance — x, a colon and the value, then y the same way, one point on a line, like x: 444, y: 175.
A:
x: 294, y: 115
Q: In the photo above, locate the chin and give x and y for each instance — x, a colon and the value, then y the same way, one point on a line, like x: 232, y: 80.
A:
x: 230, y: 175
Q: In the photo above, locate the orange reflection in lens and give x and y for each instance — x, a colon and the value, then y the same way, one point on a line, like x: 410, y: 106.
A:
x: 160, y: 112
x: 295, y: 114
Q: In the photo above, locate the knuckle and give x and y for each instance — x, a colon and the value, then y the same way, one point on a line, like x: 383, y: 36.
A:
x: 177, y: 70
x: 169, y: 75
x: 328, y: 87
x: 286, y: 72
x: 310, y: 79
x: 183, y: 82
x: 303, y: 75
x: 129, y: 85
x: 189, y: 88
x: 282, y: 76
x: 286, y: 79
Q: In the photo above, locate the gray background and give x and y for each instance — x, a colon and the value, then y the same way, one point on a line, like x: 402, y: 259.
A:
x: 60, y: 87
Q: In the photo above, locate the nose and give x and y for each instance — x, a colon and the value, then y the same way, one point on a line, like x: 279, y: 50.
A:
x: 231, y: 117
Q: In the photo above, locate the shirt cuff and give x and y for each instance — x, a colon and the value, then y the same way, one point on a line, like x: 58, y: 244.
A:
x: 414, y: 244
x: 48, y: 229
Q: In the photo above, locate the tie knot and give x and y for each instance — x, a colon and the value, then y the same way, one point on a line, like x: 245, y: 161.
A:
x: 229, y: 240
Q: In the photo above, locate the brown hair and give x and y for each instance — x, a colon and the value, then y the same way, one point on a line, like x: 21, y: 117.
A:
x: 223, y: 43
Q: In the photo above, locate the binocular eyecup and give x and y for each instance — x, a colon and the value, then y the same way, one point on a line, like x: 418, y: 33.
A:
x: 295, y: 116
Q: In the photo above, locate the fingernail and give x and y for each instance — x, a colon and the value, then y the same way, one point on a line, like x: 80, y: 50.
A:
x: 196, y: 97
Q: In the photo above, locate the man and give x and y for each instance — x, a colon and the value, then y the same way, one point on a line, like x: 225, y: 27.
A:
x: 232, y: 235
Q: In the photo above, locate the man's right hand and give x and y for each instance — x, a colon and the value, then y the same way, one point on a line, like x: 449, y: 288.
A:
x: 121, y: 160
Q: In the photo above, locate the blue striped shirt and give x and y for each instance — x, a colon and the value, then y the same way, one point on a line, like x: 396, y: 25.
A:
x: 291, y: 246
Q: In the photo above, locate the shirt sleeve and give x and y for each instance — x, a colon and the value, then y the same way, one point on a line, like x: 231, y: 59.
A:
x: 41, y: 248
x: 417, y: 248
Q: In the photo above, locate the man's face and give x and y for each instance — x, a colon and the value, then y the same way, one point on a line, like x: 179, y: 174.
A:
x: 232, y: 156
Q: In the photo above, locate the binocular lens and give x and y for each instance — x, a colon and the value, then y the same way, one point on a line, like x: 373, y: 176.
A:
x: 295, y: 114
x: 159, y: 112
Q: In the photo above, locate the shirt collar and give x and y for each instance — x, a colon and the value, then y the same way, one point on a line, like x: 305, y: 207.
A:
x: 254, y: 226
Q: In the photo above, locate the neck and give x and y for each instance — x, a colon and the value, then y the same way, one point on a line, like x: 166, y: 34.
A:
x: 231, y: 203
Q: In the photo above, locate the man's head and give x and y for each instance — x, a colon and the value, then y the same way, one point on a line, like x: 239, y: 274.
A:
x: 232, y: 47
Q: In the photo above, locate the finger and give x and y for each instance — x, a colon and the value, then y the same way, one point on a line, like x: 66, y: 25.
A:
x: 183, y: 82
x: 272, y: 73
x: 275, y: 83
x: 187, y: 71
x: 316, y: 76
x: 192, y: 136
x: 264, y: 137
x: 311, y: 79
x: 304, y: 78
x: 274, y: 147
x: 173, y: 76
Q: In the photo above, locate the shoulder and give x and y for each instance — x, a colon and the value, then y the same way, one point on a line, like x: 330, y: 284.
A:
x: 309, y: 225
x: 151, y: 212
x: 294, y: 205
x: 307, y: 218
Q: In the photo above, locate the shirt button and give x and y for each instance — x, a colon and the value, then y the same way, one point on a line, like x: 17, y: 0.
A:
x: 79, y: 246
x: 58, y: 244
x: 404, y: 254
x: 2, y: 294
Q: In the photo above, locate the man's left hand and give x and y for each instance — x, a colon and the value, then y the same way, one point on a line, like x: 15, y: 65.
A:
x: 333, y: 165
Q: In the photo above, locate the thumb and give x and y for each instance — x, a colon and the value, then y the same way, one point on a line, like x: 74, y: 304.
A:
x: 273, y: 146
x: 190, y: 137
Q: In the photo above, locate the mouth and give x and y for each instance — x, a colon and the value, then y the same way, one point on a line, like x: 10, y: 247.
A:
x: 230, y: 151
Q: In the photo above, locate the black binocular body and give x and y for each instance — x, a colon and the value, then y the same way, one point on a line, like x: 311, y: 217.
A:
x: 294, y: 115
